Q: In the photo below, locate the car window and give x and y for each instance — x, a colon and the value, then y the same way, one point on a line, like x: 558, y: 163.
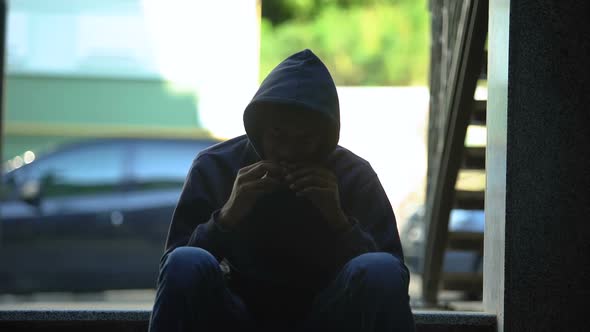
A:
x: 163, y: 164
x: 83, y: 170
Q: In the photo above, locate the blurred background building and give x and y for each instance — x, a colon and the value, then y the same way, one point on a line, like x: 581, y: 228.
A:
x: 139, y: 68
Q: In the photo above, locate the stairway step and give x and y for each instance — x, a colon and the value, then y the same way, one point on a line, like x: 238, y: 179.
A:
x: 464, y: 281
x: 483, y: 74
x: 465, y: 241
x: 478, y: 113
x: 469, y: 200
x: 474, y: 158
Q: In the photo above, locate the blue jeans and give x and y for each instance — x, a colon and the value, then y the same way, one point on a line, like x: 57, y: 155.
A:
x: 369, y: 294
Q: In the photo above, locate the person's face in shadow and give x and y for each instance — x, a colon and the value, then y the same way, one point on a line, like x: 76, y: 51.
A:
x: 291, y: 137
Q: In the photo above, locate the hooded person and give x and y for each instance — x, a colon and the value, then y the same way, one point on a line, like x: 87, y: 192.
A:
x: 282, y: 226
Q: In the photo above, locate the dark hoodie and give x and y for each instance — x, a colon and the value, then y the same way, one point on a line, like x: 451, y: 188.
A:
x: 283, y: 252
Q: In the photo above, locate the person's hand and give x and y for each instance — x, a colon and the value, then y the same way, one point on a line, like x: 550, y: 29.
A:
x: 250, y: 183
x: 320, y: 186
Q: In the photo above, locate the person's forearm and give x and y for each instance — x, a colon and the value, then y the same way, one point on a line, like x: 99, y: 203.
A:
x: 224, y: 220
x: 211, y: 236
x: 353, y: 242
x: 341, y: 224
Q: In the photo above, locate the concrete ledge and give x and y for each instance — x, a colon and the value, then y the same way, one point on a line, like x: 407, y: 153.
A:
x: 137, y: 320
x: 74, y: 315
x: 454, y: 318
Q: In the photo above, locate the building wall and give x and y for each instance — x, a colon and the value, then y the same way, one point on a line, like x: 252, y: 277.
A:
x: 45, y: 110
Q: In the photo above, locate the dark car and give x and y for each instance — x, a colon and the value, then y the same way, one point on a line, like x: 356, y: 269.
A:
x: 91, y: 216
x: 458, y: 263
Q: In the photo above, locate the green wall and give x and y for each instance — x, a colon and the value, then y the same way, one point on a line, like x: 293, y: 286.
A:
x: 41, y: 111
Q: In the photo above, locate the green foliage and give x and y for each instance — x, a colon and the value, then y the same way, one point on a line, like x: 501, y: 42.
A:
x: 369, y: 42
x: 279, y: 11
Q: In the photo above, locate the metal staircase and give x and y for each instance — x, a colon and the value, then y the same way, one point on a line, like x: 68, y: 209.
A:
x: 458, y: 61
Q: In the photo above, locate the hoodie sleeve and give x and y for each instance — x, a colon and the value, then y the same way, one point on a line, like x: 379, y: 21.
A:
x: 374, y: 225
x: 194, y: 222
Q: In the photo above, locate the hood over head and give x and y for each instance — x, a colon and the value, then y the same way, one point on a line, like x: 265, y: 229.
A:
x: 301, y: 83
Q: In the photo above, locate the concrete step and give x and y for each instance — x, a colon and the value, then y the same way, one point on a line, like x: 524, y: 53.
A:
x: 135, y: 321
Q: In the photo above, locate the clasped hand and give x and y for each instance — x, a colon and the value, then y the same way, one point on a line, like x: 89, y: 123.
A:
x: 313, y: 182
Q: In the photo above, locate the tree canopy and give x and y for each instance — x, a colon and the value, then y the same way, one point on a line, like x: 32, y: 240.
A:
x: 363, y: 42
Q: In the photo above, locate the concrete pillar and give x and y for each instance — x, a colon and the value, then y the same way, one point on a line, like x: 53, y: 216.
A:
x: 537, y: 240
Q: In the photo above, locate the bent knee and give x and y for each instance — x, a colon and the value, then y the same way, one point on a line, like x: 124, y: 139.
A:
x: 378, y: 261
x: 190, y: 256
x: 382, y: 269
x: 188, y: 265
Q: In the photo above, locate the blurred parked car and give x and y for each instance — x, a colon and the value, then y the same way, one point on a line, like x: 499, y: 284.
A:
x: 455, y: 262
x: 91, y: 216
